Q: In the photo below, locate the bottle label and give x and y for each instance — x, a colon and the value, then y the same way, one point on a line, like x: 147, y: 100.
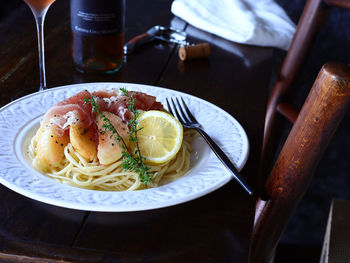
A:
x: 98, y: 17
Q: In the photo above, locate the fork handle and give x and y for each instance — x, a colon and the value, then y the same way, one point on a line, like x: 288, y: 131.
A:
x: 225, y: 160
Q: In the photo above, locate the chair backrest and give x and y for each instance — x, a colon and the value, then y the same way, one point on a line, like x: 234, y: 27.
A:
x: 318, y: 119
x: 311, y: 21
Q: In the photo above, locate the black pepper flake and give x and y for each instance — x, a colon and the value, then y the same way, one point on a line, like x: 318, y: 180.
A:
x: 61, y: 144
x: 51, y: 136
x: 57, y: 142
x: 90, y: 139
x: 84, y: 131
x: 112, y: 144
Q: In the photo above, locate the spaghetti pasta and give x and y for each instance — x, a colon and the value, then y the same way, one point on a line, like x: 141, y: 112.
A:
x: 77, y: 171
x: 76, y: 142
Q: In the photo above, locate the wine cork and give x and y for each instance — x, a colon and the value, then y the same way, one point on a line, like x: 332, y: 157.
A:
x: 193, y: 52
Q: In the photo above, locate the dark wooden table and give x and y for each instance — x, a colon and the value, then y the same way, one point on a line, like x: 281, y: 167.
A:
x: 213, y: 228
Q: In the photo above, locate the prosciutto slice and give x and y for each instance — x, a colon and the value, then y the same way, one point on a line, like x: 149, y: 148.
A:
x: 118, y: 104
x: 73, y: 120
x: 70, y: 111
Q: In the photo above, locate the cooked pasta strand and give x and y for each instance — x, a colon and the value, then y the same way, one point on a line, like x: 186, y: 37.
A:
x: 79, y: 172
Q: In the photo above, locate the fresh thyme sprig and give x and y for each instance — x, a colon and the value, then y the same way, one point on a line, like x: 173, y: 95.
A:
x: 132, y: 122
x: 139, y: 165
x: 130, y: 162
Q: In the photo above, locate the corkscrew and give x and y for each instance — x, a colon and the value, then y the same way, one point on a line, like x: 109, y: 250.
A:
x: 166, y: 34
x: 187, y: 51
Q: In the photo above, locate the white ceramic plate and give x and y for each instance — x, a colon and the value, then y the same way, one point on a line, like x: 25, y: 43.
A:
x: 20, y: 119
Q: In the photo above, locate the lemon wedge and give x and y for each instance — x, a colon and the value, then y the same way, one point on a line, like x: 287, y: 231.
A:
x: 161, y: 136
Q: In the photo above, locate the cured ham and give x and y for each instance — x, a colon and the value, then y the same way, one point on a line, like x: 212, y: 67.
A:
x: 146, y: 102
x: 114, y: 102
x: 73, y: 120
x: 72, y: 110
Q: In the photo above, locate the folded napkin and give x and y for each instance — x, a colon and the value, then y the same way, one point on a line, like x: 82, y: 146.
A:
x: 253, y: 22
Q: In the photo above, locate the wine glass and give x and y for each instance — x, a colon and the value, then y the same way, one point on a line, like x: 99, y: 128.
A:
x: 39, y: 9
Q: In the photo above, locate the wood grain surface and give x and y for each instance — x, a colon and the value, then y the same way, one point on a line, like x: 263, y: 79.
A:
x: 214, y: 228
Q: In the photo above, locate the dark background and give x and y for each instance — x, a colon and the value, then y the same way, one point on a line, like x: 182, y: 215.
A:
x: 303, y: 238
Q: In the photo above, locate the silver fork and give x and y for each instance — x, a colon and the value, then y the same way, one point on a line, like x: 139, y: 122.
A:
x: 189, y: 121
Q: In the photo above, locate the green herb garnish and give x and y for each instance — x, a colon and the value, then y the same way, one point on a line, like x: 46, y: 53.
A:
x: 130, y: 162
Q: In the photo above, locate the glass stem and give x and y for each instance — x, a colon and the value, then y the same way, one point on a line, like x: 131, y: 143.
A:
x: 39, y: 19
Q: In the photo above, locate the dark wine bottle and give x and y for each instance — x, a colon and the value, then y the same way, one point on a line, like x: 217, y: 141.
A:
x: 97, y: 35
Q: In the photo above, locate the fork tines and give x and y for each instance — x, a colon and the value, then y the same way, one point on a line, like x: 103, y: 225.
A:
x: 180, y: 110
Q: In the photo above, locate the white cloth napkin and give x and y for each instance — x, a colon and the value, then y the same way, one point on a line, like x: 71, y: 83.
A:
x: 253, y: 22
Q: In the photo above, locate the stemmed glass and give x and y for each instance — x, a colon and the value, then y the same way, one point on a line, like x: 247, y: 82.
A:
x: 39, y: 9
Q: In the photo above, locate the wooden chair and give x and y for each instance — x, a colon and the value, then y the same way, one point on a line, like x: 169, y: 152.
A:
x: 323, y: 110
x: 311, y: 21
